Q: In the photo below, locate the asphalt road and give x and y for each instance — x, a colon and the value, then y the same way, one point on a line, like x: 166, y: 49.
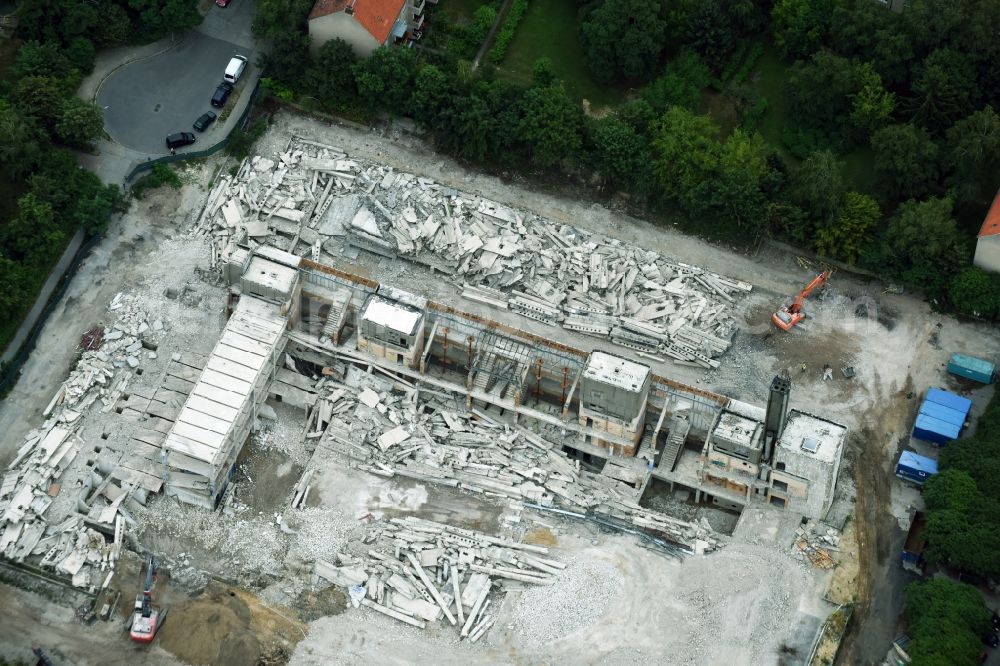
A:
x: 146, y: 100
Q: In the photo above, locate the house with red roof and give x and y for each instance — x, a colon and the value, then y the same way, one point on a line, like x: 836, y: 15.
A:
x: 365, y: 24
x: 988, y: 243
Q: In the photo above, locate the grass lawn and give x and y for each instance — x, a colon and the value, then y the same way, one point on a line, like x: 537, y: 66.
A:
x: 768, y: 77
x: 550, y: 28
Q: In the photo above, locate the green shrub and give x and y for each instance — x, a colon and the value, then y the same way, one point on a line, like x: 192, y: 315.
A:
x: 241, y: 142
x: 739, y: 65
x: 161, y: 174
x: 753, y: 113
x: 507, y: 30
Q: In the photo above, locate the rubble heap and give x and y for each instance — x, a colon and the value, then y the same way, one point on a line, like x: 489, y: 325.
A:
x: 386, y: 430
x: 34, y: 479
x: 314, y: 198
x: 418, y: 571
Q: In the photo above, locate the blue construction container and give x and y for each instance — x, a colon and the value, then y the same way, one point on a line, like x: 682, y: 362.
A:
x: 963, y: 405
x: 973, y: 368
x: 915, y: 468
x: 935, y: 430
x: 943, y: 413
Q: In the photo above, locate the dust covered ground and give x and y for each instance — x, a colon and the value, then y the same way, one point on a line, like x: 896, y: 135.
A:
x: 752, y: 602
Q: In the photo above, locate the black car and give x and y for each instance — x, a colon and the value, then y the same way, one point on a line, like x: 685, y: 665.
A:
x: 993, y: 640
x: 204, y: 120
x: 180, y: 139
x: 222, y: 94
x: 995, y: 620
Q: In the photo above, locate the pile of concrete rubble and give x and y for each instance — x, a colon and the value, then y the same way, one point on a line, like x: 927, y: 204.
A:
x: 76, y: 544
x: 314, y: 199
x: 418, y: 571
x: 387, y: 429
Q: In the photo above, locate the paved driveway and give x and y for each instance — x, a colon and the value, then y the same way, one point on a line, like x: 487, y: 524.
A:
x: 146, y: 100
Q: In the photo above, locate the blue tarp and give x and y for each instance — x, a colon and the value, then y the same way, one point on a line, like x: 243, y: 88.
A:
x: 916, y: 467
x: 949, y: 400
x: 943, y: 413
x: 935, y: 430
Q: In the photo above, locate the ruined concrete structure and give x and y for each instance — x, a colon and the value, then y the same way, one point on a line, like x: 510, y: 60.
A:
x: 611, y: 408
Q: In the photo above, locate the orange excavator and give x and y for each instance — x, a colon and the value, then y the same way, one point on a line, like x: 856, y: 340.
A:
x: 788, y: 316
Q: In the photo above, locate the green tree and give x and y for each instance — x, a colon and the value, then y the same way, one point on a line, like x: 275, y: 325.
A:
x: 40, y: 98
x: 800, y: 26
x: 433, y: 92
x: 848, y: 234
x: 33, y: 235
x: 944, y: 90
x: 384, y: 80
x: 709, y: 30
x: 113, y: 26
x: 287, y: 59
x: 817, y: 186
x: 680, y: 84
x: 542, y: 73
x: 619, y: 153
x: 80, y: 123
x: 905, y: 161
x: 862, y: 30
x: 330, y: 76
x: 551, y: 125
x: 82, y: 54
x: 925, y: 246
x: 872, y: 105
x: 158, y: 18
x: 623, y: 39
x: 686, y: 150
x: 973, y: 292
x: 19, y: 143
x: 821, y: 91
x: 273, y: 18
x: 42, y: 59
x: 945, y: 620
x: 972, y: 155
x: 733, y: 195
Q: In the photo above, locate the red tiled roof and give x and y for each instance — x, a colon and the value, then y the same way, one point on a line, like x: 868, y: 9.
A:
x: 378, y: 16
x: 991, y: 225
x: 327, y: 7
x: 375, y: 16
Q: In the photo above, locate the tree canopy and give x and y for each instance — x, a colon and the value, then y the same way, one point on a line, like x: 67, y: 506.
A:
x: 623, y: 39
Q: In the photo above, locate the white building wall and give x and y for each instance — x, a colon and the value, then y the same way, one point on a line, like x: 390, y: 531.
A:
x: 988, y: 253
x: 341, y: 25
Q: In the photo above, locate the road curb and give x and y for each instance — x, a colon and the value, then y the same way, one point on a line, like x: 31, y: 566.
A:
x: 133, y: 60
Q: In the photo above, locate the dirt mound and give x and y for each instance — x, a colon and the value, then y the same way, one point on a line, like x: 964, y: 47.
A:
x: 228, y: 627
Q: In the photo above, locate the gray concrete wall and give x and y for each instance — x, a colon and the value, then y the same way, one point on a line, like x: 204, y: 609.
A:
x: 988, y: 253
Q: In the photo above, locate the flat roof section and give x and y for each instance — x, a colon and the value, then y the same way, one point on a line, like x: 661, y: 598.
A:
x: 396, y: 316
x: 738, y: 429
x: 271, y: 275
x: 809, y: 435
x: 616, y: 371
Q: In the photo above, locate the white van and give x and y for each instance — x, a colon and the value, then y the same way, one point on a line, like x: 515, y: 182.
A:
x: 235, y: 68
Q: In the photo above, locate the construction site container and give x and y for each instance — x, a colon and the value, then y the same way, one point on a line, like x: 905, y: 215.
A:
x: 935, y: 430
x: 963, y: 405
x: 916, y: 468
x: 970, y: 367
x: 913, y: 547
x: 943, y: 413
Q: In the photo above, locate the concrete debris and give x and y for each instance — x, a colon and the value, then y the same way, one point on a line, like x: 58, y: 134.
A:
x: 815, y: 543
x: 393, y: 435
x: 420, y: 571
x: 496, y: 255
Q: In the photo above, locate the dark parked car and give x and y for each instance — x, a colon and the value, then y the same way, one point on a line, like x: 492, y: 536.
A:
x: 180, y: 139
x: 222, y: 94
x: 204, y: 120
x: 995, y: 620
x: 993, y: 640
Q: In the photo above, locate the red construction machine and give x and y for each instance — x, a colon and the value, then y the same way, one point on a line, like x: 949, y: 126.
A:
x: 146, y: 618
x: 789, y: 315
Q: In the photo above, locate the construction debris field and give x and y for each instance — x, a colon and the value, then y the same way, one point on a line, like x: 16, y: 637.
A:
x: 615, y: 601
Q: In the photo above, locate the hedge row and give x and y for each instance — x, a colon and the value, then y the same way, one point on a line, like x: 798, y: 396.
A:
x: 507, y: 30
